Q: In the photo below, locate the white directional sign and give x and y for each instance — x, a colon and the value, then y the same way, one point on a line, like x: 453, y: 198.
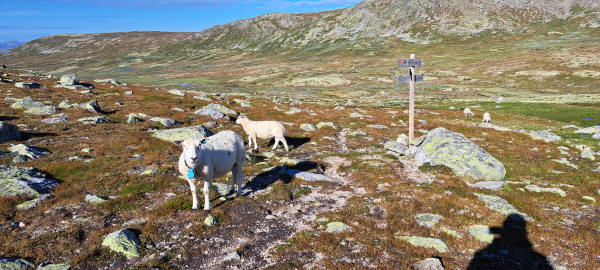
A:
x: 410, y: 62
x: 406, y: 79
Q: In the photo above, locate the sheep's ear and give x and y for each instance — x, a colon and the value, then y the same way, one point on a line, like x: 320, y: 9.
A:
x: 178, y: 143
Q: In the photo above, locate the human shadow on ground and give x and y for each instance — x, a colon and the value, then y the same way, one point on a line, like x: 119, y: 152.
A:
x: 510, y: 250
x: 263, y: 180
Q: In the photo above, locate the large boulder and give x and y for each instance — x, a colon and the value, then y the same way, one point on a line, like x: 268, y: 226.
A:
x: 45, y: 110
x: 26, y: 103
x: 181, y: 134
x: 462, y: 156
x: 224, y: 110
x: 9, y: 132
x: 15, y: 181
x: 123, y: 241
x: 69, y: 79
x: 92, y: 106
x: 212, y: 113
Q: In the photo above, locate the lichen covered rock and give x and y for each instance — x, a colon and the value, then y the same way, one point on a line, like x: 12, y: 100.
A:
x: 337, y: 227
x: 481, y: 233
x: 181, y: 134
x: 124, y: 242
x: 69, y: 79
x: 535, y: 188
x: 15, y: 181
x: 15, y: 264
x: 462, y: 156
x: 499, y: 205
x: 425, y: 242
x: 428, y: 220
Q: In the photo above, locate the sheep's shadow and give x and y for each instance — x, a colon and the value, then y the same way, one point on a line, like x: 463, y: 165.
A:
x: 281, y: 173
x: 293, y: 142
x: 511, y: 250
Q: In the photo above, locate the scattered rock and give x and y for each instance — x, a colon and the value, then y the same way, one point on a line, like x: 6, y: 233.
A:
x: 220, y: 108
x: 93, y: 107
x: 27, y: 85
x: 69, y: 79
x: 45, y: 110
x: 588, y: 153
x: 596, y: 136
x: 589, y: 130
x: 534, y: 188
x: 25, y: 152
x: 33, y: 203
x: 321, y: 125
x: 94, y: 120
x: 15, y: 264
x: 428, y: 220
x: 496, y: 127
x: 177, y: 92
x: 113, y: 81
x: 377, y: 126
x: 210, y: 221
x: 589, y: 199
x: 9, y: 132
x: 123, y: 241
x: 308, y: 127
x: 16, y: 181
x: 167, y: 122
x: 545, y: 135
x: 242, y: 103
x: 56, y: 266
x: 65, y: 104
x: 358, y: 133
x: 500, y: 100
x: 452, y: 232
x: 309, y: 177
x: 26, y: 103
x: 133, y: 118
x: 455, y: 151
x: 425, y: 242
x: 500, y: 205
x: 222, y: 189
x: 87, y: 150
x: 181, y: 134
x: 337, y: 227
x: 566, y: 162
x: 489, y: 185
x: 232, y: 256
x: 93, y: 199
x: 428, y: 264
x: 481, y: 233
x: 55, y: 120
x: 396, y: 148
x: 293, y: 110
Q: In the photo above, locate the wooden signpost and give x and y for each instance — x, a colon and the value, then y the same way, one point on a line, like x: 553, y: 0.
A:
x: 412, y: 63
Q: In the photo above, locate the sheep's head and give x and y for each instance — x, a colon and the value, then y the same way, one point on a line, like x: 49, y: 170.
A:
x: 191, y: 149
x: 241, y: 119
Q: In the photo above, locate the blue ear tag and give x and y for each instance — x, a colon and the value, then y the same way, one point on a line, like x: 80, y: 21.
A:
x: 190, y: 173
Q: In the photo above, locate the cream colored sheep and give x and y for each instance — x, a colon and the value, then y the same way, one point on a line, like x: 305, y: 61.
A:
x: 212, y: 157
x: 487, y: 118
x: 468, y: 113
x: 263, y: 130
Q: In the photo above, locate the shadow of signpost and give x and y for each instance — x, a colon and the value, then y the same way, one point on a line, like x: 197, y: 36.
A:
x: 510, y: 250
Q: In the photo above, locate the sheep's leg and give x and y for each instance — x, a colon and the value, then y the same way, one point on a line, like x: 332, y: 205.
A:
x: 194, y: 197
x: 276, y: 143
x: 236, y: 173
x: 233, y: 178
x: 285, y: 144
x: 249, y: 142
x: 206, y: 191
x: 255, y: 143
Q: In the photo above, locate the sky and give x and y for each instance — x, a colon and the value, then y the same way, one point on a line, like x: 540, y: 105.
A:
x: 25, y: 20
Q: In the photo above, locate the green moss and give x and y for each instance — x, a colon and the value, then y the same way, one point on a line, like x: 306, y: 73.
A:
x: 138, y: 188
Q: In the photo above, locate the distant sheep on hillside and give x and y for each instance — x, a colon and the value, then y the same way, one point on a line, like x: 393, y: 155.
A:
x: 487, y: 118
x: 468, y: 113
x: 263, y: 130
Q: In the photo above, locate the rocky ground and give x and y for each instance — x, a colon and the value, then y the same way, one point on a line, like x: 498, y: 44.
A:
x: 89, y: 180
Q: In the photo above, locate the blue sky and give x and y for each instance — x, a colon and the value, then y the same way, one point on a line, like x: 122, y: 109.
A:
x: 25, y: 20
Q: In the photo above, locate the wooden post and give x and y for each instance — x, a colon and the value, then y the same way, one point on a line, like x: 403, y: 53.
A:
x: 411, y: 106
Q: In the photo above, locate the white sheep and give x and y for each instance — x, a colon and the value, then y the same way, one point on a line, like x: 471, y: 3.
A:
x: 263, y: 130
x: 487, y: 118
x: 212, y: 157
x: 468, y: 113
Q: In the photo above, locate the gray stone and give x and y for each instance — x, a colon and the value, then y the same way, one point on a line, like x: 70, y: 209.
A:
x: 167, y: 122
x: 425, y: 242
x: 124, y: 242
x: 308, y: 127
x: 65, y: 104
x: 9, y: 132
x: 93, y: 199
x: 220, y: 108
x: 15, y: 264
x: 26, y: 85
x: 535, y: 188
x: 27, y: 152
x: 499, y: 100
x: 69, y: 79
x: 181, y: 134
x: 32, y: 203
x: 428, y: 264
x: 493, y: 126
x: 337, y: 227
x: 232, y: 256
x: 358, y: 133
x: 428, y: 220
x: 377, y: 126
x: 402, y: 139
x: 133, y: 118
x: 113, y: 81
x: 93, y: 106
x: 55, y: 120
x: 566, y: 162
x: 45, y: 110
x: 242, y: 103
x: 177, y: 92
x: 589, y: 130
x: 94, y: 120
x: 500, y: 205
x: 222, y: 189
x: 321, y: 125
x: 55, y: 266
x: 489, y: 185
x: 210, y: 221
x: 309, y: 177
x: 26, y: 103
x: 596, y: 136
x: 293, y: 110
x: 588, y: 154
x: 462, y: 156
x: 16, y: 181
x: 212, y: 113
x: 589, y: 199
x: 396, y: 148
x: 545, y: 135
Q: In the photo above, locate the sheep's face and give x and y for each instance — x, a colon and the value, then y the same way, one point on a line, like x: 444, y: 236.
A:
x: 190, y: 151
x: 240, y: 119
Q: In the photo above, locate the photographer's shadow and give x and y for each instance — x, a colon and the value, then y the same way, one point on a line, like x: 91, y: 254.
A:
x: 511, y: 250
